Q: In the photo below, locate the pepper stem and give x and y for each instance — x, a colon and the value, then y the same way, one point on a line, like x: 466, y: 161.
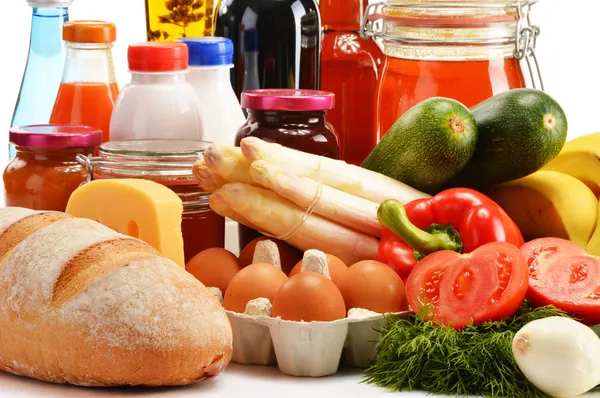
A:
x: 392, y: 215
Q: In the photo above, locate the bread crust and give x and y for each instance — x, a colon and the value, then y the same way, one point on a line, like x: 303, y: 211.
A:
x: 82, y: 304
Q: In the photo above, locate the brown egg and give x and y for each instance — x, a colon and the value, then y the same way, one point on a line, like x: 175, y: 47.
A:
x: 214, y: 267
x: 308, y: 297
x: 288, y: 254
x: 254, y: 281
x: 373, y: 286
x: 337, y: 269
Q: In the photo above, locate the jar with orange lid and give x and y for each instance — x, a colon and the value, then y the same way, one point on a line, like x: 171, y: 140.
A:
x: 468, y: 51
x: 45, y: 171
x: 167, y: 162
x: 88, y: 90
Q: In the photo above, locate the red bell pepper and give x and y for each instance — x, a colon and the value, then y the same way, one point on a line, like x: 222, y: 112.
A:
x: 457, y: 219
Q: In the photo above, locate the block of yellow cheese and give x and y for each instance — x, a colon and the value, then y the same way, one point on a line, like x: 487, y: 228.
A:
x: 140, y: 208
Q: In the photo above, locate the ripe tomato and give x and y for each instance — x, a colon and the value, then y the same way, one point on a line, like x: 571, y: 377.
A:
x: 562, y: 274
x: 488, y: 284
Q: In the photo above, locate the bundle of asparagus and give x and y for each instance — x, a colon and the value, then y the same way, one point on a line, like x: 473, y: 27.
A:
x: 269, y: 188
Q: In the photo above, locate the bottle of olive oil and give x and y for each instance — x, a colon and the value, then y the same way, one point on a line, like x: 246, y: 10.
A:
x: 169, y: 20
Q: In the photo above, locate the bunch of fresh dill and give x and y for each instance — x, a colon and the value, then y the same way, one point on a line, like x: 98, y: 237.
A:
x: 478, y: 360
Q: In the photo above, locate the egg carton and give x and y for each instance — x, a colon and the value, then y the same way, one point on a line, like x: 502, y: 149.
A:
x: 311, y: 349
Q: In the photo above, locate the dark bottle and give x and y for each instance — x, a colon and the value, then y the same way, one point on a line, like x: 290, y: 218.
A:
x: 286, y: 40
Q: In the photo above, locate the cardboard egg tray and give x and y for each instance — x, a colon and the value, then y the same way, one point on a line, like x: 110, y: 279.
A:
x: 311, y: 349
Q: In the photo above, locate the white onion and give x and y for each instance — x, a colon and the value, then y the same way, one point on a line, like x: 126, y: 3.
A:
x: 560, y: 356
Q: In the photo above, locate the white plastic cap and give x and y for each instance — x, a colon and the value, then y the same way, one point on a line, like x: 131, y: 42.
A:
x: 49, y: 3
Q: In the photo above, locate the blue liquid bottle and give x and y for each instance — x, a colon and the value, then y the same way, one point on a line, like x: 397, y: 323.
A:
x: 45, y: 64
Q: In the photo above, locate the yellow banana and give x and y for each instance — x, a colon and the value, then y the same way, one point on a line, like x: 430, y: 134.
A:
x: 593, y: 246
x: 549, y: 203
x: 580, y: 158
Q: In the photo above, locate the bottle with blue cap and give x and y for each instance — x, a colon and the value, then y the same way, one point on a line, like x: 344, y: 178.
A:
x: 45, y: 63
x: 210, y: 62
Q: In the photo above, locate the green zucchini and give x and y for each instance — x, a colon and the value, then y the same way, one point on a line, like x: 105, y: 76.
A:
x: 427, y: 146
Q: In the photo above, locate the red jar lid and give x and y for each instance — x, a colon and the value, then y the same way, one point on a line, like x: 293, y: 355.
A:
x: 157, y: 57
x: 288, y: 100
x: 55, y: 136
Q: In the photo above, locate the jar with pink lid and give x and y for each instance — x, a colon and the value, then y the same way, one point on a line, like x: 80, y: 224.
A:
x: 45, y: 170
x: 293, y: 118
x: 296, y: 119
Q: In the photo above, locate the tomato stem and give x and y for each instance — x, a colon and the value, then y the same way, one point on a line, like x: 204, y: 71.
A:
x: 392, y: 215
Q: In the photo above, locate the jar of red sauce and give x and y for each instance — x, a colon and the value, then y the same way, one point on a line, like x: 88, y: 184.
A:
x: 45, y: 171
x: 296, y: 119
x: 469, y: 51
x: 168, y: 162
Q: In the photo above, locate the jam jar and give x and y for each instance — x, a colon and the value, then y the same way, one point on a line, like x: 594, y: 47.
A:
x: 45, y: 171
x: 468, y: 51
x: 168, y: 162
x: 296, y: 119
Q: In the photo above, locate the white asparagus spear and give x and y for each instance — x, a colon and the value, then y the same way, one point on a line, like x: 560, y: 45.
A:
x: 338, y: 206
x: 277, y: 216
x: 222, y: 209
x: 228, y: 162
x: 207, y: 179
x: 336, y: 173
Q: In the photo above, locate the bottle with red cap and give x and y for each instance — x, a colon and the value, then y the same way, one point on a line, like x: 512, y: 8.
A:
x: 158, y: 103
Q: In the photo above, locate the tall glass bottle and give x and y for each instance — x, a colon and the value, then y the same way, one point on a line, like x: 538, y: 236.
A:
x: 288, y: 45
x: 45, y: 63
x: 350, y: 69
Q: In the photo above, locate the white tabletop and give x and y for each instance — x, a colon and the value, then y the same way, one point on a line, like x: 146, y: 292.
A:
x: 237, y: 381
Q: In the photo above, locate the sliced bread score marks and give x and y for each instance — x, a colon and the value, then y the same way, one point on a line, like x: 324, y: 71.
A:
x: 96, y: 262
x: 14, y: 233
x: 30, y: 272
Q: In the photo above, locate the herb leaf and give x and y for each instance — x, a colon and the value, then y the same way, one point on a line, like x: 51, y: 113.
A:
x: 477, y: 360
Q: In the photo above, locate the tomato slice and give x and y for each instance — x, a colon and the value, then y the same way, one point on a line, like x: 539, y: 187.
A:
x: 562, y: 274
x: 488, y: 284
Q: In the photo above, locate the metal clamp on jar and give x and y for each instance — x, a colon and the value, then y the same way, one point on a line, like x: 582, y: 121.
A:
x: 168, y: 162
x: 468, y: 51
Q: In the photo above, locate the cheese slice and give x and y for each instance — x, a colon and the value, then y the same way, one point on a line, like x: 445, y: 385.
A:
x: 140, y: 208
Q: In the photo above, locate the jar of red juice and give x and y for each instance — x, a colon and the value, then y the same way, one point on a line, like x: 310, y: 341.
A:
x: 469, y: 51
x: 168, y: 162
x: 296, y: 119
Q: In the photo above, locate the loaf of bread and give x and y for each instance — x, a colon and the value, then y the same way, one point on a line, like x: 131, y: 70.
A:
x: 82, y: 304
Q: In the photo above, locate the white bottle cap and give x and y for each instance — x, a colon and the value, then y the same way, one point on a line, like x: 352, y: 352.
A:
x: 49, y: 3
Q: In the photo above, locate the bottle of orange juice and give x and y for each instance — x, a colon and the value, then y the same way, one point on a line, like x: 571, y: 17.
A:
x: 88, y: 90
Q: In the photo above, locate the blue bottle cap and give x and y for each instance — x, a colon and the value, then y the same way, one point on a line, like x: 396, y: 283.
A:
x: 209, y: 51
x: 250, y: 41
